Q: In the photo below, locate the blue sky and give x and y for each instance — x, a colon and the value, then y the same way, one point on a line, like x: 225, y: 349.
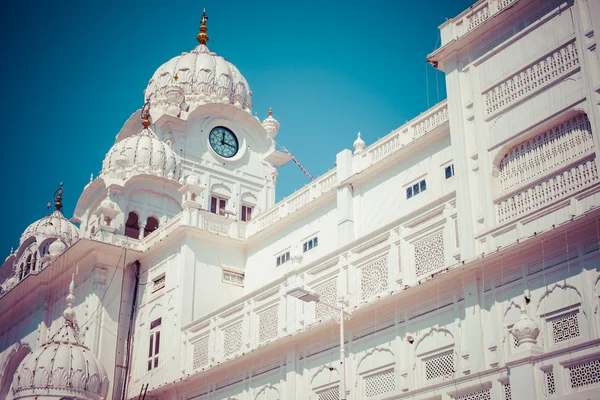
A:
x: 75, y: 71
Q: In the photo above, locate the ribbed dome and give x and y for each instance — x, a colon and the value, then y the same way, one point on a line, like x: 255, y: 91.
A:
x: 205, y: 78
x: 142, y: 153
x: 54, y: 225
x: 62, y: 367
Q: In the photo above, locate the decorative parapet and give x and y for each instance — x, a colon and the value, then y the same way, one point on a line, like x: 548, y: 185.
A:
x: 302, y: 198
x: 407, y: 133
x: 555, y: 65
x: 474, y: 17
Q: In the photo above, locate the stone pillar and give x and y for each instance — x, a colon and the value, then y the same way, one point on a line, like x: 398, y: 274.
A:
x: 345, y: 199
x: 142, y: 225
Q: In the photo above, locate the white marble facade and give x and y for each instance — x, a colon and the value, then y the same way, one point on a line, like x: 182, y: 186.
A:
x: 464, y: 244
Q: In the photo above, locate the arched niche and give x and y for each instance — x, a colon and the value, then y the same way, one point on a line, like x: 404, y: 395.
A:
x: 544, y: 150
x: 435, y: 359
x: 268, y: 392
x: 562, y: 317
x: 324, y: 376
x: 132, y: 225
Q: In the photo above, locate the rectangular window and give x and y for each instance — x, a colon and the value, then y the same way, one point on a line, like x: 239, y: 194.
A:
x: 154, y: 344
x: 218, y: 205
x: 159, y: 283
x: 416, y: 189
x: 449, y: 171
x: 310, y: 244
x: 235, y: 278
x: 283, y: 258
x: 246, y: 213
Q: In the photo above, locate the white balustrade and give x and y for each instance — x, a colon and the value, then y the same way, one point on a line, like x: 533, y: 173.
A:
x: 478, y: 16
x: 549, y: 190
x: 556, y: 64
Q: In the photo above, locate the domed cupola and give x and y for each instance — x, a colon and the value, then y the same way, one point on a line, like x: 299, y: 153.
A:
x: 196, y: 78
x: 271, y: 125
x: 54, y: 225
x: 62, y: 367
x: 143, y: 153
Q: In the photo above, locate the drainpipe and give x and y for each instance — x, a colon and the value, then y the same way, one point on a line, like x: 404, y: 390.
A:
x: 130, y: 329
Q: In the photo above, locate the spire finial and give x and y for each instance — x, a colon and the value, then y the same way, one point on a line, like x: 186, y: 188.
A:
x: 202, y: 36
x: 270, y: 112
x: 69, y: 313
x: 57, y: 197
x: 145, y: 115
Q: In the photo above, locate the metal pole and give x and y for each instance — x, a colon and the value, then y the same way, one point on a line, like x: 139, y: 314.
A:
x: 342, y: 357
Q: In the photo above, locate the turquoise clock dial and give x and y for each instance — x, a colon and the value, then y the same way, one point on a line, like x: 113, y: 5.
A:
x: 223, y: 142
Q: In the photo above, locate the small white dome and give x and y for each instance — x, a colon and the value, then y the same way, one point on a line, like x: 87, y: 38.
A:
x: 359, y: 145
x: 56, y: 248
x: 204, y: 77
x: 192, y: 179
x: 108, y: 203
x: 54, y: 225
x: 62, y: 367
x: 525, y: 329
x: 271, y: 125
x: 142, y: 153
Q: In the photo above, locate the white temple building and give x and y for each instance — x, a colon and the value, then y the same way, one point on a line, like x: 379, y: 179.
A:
x: 462, y: 248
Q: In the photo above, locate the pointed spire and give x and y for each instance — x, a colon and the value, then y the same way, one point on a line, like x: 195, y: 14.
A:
x: 69, y: 313
x: 202, y: 36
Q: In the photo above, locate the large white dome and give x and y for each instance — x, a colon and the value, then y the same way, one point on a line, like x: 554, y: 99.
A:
x: 143, y: 153
x: 204, y: 77
x: 54, y: 225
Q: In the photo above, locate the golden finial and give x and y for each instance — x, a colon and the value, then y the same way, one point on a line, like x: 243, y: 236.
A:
x: 202, y: 36
x: 270, y: 112
x: 176, y: 77
x: 145, y: 115
x: 57, y: 198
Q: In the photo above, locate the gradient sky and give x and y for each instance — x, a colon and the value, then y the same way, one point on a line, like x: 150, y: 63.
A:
x: 75, y: 71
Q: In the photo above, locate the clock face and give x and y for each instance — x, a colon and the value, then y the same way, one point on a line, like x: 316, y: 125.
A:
x: 223, y: 142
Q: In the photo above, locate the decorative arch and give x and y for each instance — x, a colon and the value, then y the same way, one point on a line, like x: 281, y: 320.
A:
x: 550, y: 295
x: 430, y: 334
x: 249, y: 198
x: 562, y: 315
x: 152, y: 224
x: 388, y: 358
x: 544, y: 150
x: 319, y: 378
x: 220, y: 189
x: 9, y: 366
x: 267, y: 392
x: 132, y: 225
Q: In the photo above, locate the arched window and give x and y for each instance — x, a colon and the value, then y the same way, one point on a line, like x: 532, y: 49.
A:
x: 132, y: 228
x: 34, y: 262
x: 151, y: 226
